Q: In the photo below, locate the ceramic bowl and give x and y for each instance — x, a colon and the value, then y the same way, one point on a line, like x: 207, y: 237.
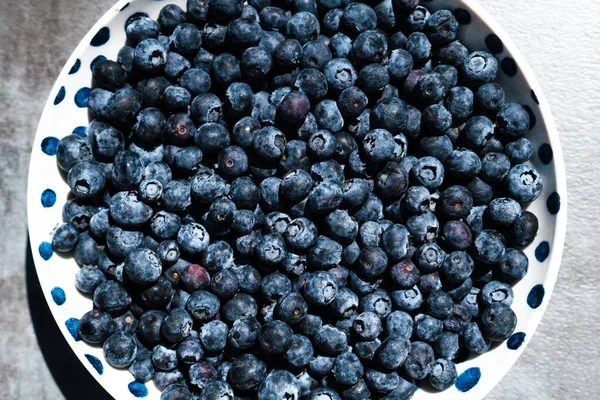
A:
x: 65, y: 113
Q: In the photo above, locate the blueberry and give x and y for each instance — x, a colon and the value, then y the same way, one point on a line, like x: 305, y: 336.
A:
x: 325, y: 253
x: 428, y: 171
x: 524, y: 230
x: 141, y: 28
x: 65, y: 237
x: 423, y: 227
x: 419, y: 47
x: 443, y: 374
x: 303, y: 26
x: 142, y: 369
x: 347, y: 369
x: 513, y: 121
x: 367, y: 326
x: 524, y: 183
x: 279, y: 384
x: 489, y: 246
x: 111, y: 297
x: 463, y: 164
x: 72, y: 150
x: 300, y: 352
x: 392, y: 352
x: 514, y: 265
x: 119, y: 350
x: 205, y: 110
x: 176, y: 195
x: 345, y: 304
x: 247, y: 372
x: 320, y: 288
x: 275, y: 337
x: 357, y: 18
x: 203, y: 305
x: 457, y: 266
x: 382, y: 382
x: 378, y: 302
x: 243, y: 333
x: 436, y: 119
x: 341, y: 227
x: 420, y: 360
x: 95, y: 326
x: 164, y: 359
x: 127, y: 171
x: 496, y: 292
x: 519, y: 151
x: 315, y: 54
x: 345, y: 144
x: 340, y: 44
x: 330, y: 340
x: 324, y: 197
x: 498, y: 322
x: 489, y: 99
x: 503, y: 212
x: 150, y: 56
x: 321, y: 146
x: 143, y: 267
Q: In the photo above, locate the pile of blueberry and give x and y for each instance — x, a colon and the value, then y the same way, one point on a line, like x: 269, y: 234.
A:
x: 297, y: 200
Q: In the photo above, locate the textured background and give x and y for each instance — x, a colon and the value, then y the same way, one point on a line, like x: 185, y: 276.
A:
x: 561, y: 41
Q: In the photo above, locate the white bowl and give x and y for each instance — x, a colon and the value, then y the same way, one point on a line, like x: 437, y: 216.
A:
x: 66, y: 112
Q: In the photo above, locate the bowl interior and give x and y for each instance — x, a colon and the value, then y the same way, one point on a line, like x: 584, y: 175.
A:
x: 66, y: 113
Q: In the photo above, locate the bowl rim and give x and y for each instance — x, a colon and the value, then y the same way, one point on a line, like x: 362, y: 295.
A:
x: 472, y: 6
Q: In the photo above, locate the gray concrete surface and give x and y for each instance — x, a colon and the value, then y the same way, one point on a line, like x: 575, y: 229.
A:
x: 561, y: 41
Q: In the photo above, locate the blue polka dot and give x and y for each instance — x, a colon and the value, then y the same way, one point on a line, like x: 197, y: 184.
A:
x: 82, y: 97
x: 462, y: 16
x: 468, y: 379
x: 80, y: 131
x: 536, y: 296
x: 71, y: 325
x: 515, y: 341
x: 545, y: 153
x: 101, y: 37
x: 138, y: 389
x: 49, y: 145
x: 534, y: 97
x: 96, y: 61
x: 60, y: 96
x: 553, y: 203
x: 124, y: 7
x: 48, y: 198
x: 494, y: 44
x: 75, y: 67
x: 542, y: 251
x: 97, y: 364
x: 509, y: 66
x: 45, y: 250
x: 532, y: 117
x: 58, y: 295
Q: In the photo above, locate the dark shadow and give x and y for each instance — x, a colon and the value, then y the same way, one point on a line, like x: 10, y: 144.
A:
x: 74, y: 381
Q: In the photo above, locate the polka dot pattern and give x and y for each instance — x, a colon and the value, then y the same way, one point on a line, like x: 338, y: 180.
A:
x: 494, y: 44
x: 545, y: 153
x: 553, y: 203
x: 101, y: 37
x: 542, y: 251
x: 71, y: 325
x: 48, y: 198
x: 80, y: 131
x: 468, y: 379
x: 96, y: 61
x: 462, y: 16
x: 45, y: 250
x: 60, y: 96
x: 97, y: 364
x: 536, y: 296
x: 75, y: 67
x: 58, y: 295
x: 515, y: 341
x: 138, y: 389
x: 124, y: 7
x: 49, y: 145
x: 534, y: 97
x: 82, y: 97
x: 509, y: 66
